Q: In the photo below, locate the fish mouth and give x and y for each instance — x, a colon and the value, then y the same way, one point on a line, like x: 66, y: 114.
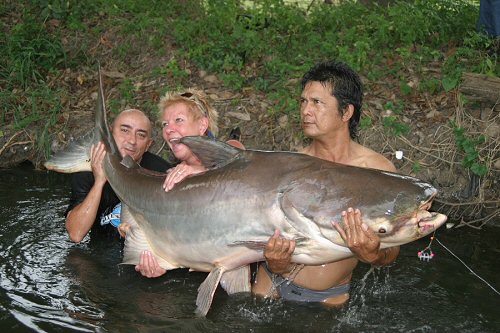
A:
x: 429, y: 221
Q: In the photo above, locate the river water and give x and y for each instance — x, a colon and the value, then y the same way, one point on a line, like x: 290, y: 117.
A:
x: 49, y: 284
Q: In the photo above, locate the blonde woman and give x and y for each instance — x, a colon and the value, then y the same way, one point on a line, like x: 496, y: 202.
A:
x: 182, y: 114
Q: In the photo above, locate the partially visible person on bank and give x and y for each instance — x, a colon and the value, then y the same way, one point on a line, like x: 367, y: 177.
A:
x: 489, y: 18
x: 330, y: 109
x: 92, y: 199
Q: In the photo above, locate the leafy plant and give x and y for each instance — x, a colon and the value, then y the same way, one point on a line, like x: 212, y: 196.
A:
x: 283, y: 103
x: 394, y: 126
x: 405, y: 88
x: 127, y: 89
x: 392, y: 123
x: 449, y: 83
x: 416, y: 167
x: 70, y: 11
x: 175, y: 69
x: 431, y: 85
x: 114, y: 106
x: 468, y: 146
x: 365, y: 122
x: 396, y: 108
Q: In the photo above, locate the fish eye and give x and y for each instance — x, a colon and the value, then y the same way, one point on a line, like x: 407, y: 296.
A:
x: 382, y: 230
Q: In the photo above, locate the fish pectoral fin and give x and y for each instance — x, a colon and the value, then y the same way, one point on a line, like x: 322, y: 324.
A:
x: 207, y: 289
x: 236, y: 280
x: 165, y: 264
x: 298, y: 202
x: 136, y: 242
x: 135, y: 239
x: 252, y: 245
x: 261, y: 245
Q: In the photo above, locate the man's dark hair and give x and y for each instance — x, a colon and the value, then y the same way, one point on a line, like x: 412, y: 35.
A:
x: 346, y: 85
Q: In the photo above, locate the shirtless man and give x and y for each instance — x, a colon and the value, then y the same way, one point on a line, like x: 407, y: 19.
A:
x: 330, y: 109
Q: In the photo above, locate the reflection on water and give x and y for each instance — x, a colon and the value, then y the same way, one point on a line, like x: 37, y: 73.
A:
x: 49, y: 284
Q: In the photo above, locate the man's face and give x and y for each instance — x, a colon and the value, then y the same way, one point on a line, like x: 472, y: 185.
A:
x: 132, y: 133
x: 319, y: 111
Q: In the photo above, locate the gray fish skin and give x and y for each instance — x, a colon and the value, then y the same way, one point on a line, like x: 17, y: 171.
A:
x: 220, y: 221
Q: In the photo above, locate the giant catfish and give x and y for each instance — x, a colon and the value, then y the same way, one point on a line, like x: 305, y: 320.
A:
x: 220, y: 221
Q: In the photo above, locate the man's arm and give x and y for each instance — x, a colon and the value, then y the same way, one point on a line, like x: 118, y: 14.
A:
x: 81, y: 218
x: 386, y: 256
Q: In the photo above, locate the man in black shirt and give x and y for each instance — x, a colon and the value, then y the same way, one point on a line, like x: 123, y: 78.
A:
x: 91, y: 194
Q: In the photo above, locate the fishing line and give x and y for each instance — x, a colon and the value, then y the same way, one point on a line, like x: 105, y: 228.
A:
x: 427, y: 254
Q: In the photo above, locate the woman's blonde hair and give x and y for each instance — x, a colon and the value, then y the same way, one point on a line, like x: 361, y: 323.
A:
x: 197, y: 102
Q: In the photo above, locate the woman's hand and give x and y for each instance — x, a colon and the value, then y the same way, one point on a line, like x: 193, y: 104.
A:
x: 179, y: 173
x: 148, y: 266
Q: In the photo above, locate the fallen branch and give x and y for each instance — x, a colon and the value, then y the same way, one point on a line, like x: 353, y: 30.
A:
x: 7, y: 144
x: 483, y: 220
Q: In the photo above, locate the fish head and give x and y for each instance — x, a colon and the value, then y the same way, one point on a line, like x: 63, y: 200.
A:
x: 395, y: 207
x: 404, y: 222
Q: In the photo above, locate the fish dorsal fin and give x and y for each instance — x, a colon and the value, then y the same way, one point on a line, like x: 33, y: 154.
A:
x: 129, y: 162
x: 212, y: 153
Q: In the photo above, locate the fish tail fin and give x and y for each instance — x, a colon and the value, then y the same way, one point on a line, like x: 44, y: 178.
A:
x: 76, y: 157
x: 236, y: 280
x: 102, y: 130
x: 206, y: 291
